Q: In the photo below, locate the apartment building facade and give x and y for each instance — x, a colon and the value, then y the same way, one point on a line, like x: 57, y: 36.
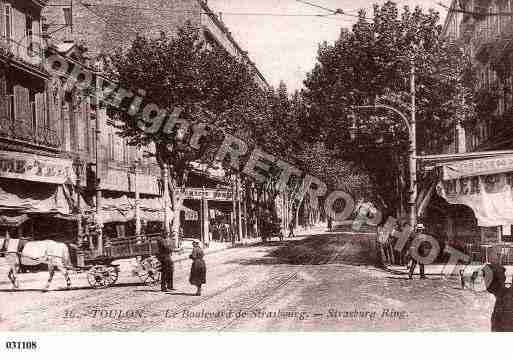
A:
x: 471, y: 202
x: 485, y: 29
x: 37, y: 171
x: 88, y: 31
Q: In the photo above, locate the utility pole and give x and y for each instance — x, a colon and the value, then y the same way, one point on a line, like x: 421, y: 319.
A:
x: 137, y: 204
x: 98, y: 159
x: 239, y: 209
x: 234, y: 221
x: 165, y: 194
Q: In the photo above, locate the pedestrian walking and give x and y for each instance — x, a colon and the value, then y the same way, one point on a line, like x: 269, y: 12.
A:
x: 166, y: 262
x: 291, y: 229
x: 502, y: 315
x: 330, y: 223
x: 198, y: 267
x: 422, y: 251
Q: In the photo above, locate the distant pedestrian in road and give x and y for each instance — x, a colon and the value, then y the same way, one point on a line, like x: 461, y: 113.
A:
x: 291, y: 229
x: 422, y: 251
x: 166, y: 262
x: 502, y: 316
x: 198, y: 267
x: 330, y: 223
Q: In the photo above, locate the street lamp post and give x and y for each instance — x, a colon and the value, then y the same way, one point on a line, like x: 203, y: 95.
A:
x: 77, y: 164
x: 412, y: 152
x: 137, y: 211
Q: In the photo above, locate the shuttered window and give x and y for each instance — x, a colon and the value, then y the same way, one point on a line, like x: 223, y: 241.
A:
x: 54, y: 103
x: 4, y: 99
x: 22, y: 110
x: 6, y: 22
x: 2, y: 19
x: 72, y: 127
x: 40, y: 110
x: 85, y: 125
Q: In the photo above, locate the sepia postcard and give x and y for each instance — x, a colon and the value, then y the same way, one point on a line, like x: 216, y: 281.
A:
x: 255, y: 166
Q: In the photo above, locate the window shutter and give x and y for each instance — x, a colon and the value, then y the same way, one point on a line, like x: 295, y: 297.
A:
x: 54, y: 103
x: 72, y: 126
x: 2, y: 20
x: 39, y: 103
x: 22, y: 111
x: 4, y: 99
x: 40, y: 111
x: 85, y: 124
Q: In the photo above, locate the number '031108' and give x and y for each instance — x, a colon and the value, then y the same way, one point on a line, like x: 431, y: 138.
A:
x: 21, y: 345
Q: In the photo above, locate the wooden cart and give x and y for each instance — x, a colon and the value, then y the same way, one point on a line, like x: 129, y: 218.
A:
x: 101, y: 273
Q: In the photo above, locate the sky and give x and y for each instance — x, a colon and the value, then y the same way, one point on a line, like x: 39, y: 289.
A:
x: 285, y: 47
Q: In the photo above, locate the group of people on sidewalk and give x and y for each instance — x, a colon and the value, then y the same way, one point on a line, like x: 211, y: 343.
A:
x: 198, y: 272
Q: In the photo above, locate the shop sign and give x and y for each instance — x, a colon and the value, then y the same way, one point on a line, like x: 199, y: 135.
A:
x: 191, y: 215
x: 208, y: 194
x: 490, y: 197
x: 36, y: 168
x: 124, y: 181
x: 477, y: 167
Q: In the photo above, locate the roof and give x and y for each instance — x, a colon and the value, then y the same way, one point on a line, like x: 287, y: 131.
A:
x: 439, y: 160
x: 220, y: 24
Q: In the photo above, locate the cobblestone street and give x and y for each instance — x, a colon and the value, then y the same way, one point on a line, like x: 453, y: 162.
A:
x: 252, y: 289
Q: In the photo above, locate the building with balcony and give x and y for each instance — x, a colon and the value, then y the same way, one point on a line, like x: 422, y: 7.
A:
x: 36, y: 175
x: 485, y: 29
x: 103, y: 26
x: 91, y: 30
x: 24, y: 119
x: 469, y: 202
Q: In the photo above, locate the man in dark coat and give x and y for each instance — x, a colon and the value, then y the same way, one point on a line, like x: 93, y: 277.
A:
x: 502, y: 316
x: 164, y: 256
x: 198, y: 267
x: 422, y: 251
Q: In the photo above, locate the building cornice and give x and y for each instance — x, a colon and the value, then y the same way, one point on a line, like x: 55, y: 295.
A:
x: 229, y: 36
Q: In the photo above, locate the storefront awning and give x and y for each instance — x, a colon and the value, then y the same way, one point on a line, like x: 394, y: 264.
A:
x: 122, y: 209
x: 477, y: 167
x: 489, y: 196
x: 13, y: 221
x: 30, y: 197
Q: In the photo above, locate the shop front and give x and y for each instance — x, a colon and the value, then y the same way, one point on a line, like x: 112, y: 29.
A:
x: 473, y: 205
x: 132, y: 204
x: 37, y: 197
x: 208, y: 213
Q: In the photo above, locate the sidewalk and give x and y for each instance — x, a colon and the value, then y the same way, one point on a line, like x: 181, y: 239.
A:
x: 126, y: 265
x: 438, y: 269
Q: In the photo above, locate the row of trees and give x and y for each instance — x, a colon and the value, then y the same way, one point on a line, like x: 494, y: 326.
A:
x: 372, y: 64
x: 308, y: 128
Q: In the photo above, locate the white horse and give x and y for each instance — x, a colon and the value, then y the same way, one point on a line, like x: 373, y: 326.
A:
x: 32, y: 253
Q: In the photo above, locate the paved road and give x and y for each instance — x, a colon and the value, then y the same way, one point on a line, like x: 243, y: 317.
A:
x: 250, y: 289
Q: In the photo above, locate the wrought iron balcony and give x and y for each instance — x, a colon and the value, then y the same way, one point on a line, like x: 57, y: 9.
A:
x: 27, y: 131
x: 24, y: 51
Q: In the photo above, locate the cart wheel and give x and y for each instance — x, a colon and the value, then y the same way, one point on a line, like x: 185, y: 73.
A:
x: 150, y: 271
x: 102, y: 276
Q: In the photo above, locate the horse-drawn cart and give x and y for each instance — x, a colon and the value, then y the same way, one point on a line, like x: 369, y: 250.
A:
x: 101, y: 273
x: 84, y: 257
